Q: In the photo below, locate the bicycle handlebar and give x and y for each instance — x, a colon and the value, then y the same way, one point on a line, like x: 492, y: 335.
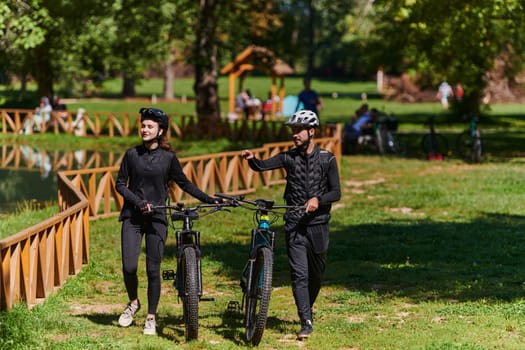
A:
x: 259, y: 204
x: 191, y: 212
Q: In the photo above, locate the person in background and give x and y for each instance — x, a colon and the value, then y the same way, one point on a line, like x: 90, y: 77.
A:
x: 309, y: 98
x: 41, y: 116
x: 362, y: 124
x: 444, y: 93
x: 59, y: 107
x: 241, y: 103
x: 143, y: 180
x: 312, y: 180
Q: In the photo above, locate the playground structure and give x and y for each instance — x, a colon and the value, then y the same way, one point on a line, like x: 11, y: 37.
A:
x: 264, y: 60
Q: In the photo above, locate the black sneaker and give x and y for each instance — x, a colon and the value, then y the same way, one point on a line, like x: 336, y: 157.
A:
x: 306, y: 329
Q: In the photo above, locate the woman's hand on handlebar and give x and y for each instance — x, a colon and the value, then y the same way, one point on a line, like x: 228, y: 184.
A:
x: 145, y: 207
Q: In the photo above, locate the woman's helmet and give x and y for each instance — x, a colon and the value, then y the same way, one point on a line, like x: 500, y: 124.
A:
x: 154, y: 114
x: 304, y: 118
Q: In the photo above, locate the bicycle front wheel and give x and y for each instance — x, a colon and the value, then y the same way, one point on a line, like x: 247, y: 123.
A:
x: 190, y: 297
x: 258, y: 296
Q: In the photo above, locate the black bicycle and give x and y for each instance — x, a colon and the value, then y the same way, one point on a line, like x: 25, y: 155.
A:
x: 434, y: 145
x: 188, y: 276
x: 256, y: 279
x: 385, y: 139
x: 469, y: 144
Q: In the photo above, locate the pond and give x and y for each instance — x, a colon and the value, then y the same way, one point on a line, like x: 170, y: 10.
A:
x: 28, y: 174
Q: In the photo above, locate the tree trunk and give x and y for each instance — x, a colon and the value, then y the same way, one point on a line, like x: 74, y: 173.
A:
x: 169, y: 73
x: 43, y: 72
x: 128, y: 86
x: 206, y: 91
x: 311, y: 48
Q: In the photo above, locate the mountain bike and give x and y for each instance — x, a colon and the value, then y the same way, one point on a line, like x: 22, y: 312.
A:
x: 434, y: 145
x: 256, y: 279
x: 188, y: 276
x: 469, y: 144
x: 385, y: 140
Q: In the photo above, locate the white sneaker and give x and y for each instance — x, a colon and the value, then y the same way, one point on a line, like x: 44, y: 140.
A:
x: 150, y: 327
x: 126, y: 319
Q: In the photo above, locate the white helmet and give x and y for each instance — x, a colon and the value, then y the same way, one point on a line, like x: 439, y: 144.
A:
x: 304, y: 118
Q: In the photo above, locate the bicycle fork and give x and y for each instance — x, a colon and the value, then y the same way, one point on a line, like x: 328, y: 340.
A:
x: 260, y: 238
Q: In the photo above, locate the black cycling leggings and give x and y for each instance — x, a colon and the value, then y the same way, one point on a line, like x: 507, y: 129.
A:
x: 131, y: 244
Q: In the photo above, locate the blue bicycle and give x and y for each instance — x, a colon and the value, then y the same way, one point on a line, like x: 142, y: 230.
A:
x: 469, y: 144
x: 256, y: 279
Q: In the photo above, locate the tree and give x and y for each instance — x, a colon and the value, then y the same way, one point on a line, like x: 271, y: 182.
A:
x: 22, y: 28
x: 457, y: 41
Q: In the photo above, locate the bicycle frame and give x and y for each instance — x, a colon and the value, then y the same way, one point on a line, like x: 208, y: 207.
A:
x: 260, y: 237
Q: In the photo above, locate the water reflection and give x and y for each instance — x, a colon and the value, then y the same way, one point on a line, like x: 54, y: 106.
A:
x: 28, y: 173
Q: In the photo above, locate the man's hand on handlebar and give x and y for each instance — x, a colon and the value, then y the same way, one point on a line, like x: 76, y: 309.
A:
x: 312, y: 204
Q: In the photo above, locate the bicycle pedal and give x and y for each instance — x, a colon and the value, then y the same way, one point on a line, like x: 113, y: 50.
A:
x: 234, y: 306
x: 168, y: 275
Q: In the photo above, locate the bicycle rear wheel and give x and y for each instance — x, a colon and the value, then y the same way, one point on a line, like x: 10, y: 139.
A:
x: 258, y: 297
x: 434, y: 144
x: 469, y: 147
x: 190, y: 299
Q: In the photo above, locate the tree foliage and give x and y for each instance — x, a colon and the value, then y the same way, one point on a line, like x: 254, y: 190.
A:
x: 65, y: 43
x: 456, y: 41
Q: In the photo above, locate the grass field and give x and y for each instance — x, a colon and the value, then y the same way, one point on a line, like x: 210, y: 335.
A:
x: 424, y: 255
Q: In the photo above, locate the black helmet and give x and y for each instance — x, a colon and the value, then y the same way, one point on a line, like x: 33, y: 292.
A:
x: 154, y: 114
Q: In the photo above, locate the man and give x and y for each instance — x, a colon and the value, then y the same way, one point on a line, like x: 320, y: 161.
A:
x: 309, y: 98
x: 313, y: 181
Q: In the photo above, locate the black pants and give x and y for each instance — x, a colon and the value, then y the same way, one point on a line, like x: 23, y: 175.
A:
x: 131, y: 241
x: 307, y: 248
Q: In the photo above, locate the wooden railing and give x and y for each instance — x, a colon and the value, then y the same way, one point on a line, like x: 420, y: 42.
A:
x: 225, y: 172
x: 182, y: 127
x: 37, y: 260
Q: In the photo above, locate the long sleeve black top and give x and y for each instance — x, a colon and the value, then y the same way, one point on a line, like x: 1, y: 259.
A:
x: 144, y: 176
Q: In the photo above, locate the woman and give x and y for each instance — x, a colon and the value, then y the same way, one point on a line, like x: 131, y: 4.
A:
x: 143, y: 178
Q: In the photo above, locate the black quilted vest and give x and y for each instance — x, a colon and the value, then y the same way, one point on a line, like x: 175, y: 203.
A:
x: 306, y: 177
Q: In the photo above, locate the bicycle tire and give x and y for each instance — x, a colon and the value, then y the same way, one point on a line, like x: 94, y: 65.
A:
x: 190, y: 299
x: 258, y: 299
x: 477, y: 149
x: 469, y: 147
x: 434, y: 144
x: 394, y: 145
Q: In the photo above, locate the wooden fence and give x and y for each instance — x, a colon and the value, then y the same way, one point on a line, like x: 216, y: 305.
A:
x: 37, y: 260
x: 182, y: 127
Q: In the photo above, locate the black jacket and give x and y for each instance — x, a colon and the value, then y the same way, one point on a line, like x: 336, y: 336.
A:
x: 144, y: 176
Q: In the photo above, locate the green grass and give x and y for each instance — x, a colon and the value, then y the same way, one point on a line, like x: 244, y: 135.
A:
x: 423, y: 255
x: 25, y: 215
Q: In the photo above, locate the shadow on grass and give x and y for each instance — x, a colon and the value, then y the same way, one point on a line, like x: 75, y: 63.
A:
x: 432, y: 260
x: 420, y: 260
